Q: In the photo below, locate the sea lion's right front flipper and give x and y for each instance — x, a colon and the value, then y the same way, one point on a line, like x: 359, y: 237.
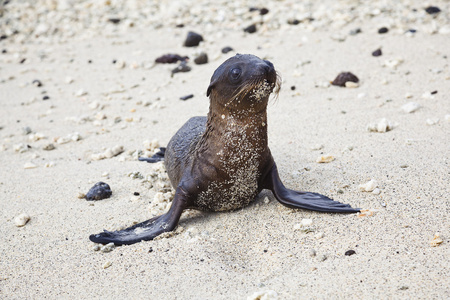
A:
x: 305, y: 200
x: 149, y: 229
x: 158, y: 156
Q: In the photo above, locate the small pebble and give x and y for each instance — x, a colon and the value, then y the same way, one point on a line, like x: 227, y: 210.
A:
x: 96, y: 247
x: 319, y: 235
x: 114, y: 20
x: 250, y: 29
x: 355, y: 31
x: 436, y: 241
x: 323, y: 257
x: 383, y: 30
x: 49, y: 147
x: 193, y: 39
x: 37, y: 83
x: 21, y: 220
x: 377, y: 53
x: 81, y: 195
x: 293, y: 21
x: 368, y: 186
x: 351, y: 84
x: 136, y: 194
x: 107, y: 264
x: 227, y: 49
x: 201, y: 59
x: 343, y: 78
x: 376, y: 191
x: 263, y: 295
x: 29, y: 165
x: 350, y: 252
x: 263, y: 11
x: 432, y: 10
x: 26, y: 130
x: 187, y: 97
x: 410, y: 107
x: 99, y: 191
x: 382, y: 126
x: 325, y: 159
x: 432, y: 121
x: 170, y: 59
x: 182, y: 67
x: 107, y: 248
x: 312, y: 252
x: 45, y: 97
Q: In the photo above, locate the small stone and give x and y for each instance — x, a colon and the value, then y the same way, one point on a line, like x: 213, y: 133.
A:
x: 81, y: 195
x: 99, y: 191
x: 114, y: 20
x: 107, y: 248
x: 263, y: 11
x: 432, y: 10
x: 403, y: 288
x: 26, y: 130
x: 323, y: 257
x: 293, y: 21
x: 325, y: 159
x: 266, y: 200
x: 319, y: 235
x: 436, y: 241
x: 37, y: 83
x: 29, y: 165
x: 368, y: 186
x: 432, y: 121
x: 376, y: 191
x: 227, y: 49
x: 49, y: 147
x: 350, y: 252
x: 377, y: 53
x: 107, y: 265
x: 182, y: 67
x: 343, y: 78
x: 96, y: 247
x: 184, y: 98
x: 193, y: 39
x: 410, y: 107
x: 383, y: 30
x: 170, y: 59
x: 382, y: 126
x: 393, y: 63
x: 21, y: 220
x: 80, y: 93
x: 201, y: 59
x: 355, y: 31
x: 312, y: 252
x: 45, y: 98
x: 351, y: 84
x: 250, y: 29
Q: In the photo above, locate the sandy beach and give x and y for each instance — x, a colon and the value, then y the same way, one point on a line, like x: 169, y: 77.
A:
x: 82, y: 98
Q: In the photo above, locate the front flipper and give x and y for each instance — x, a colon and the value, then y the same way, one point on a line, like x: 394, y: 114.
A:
x: 158, y: 156
x: 149, y: 229
x: 305, y: 200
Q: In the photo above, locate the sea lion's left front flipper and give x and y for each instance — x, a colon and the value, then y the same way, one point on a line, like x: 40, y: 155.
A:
x: 305, y: 200
x: 149, y: 229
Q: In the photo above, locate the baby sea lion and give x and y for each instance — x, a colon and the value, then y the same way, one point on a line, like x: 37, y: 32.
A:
x: 222, y: 162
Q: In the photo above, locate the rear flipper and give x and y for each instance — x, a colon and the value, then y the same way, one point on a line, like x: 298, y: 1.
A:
x: 158, y: 156
x: 147, y: 230
x: 305, y: 200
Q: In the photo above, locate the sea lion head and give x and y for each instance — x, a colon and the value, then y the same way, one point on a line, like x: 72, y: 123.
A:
x: 243, y: 80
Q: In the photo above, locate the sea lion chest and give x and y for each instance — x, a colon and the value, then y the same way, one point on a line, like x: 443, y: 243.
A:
x: 231, y: 164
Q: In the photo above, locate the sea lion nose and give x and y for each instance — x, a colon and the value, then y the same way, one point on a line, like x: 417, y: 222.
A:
x: 268, y: 67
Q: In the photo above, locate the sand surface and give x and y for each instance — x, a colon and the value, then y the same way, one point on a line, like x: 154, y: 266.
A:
x: 256, y: 249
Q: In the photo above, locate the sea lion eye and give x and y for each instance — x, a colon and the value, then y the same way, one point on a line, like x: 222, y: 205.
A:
x: 235, y: 73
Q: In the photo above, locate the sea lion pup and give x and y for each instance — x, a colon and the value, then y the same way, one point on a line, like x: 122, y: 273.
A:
x: 222, y: 161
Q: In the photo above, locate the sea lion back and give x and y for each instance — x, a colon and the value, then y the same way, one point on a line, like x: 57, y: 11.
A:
x: 177, y: 151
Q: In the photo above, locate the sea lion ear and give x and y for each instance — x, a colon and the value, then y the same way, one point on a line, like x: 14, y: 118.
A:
x: 208, y: 91
x: 210, y: 87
